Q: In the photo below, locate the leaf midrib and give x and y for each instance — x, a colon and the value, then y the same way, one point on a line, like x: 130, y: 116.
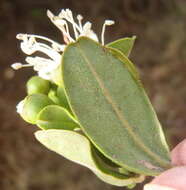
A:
x: 120, y: 116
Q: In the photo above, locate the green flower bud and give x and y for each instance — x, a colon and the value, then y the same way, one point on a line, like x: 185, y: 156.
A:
x: 32, y: 105
x: 37, y: 85
x: 53, y: 94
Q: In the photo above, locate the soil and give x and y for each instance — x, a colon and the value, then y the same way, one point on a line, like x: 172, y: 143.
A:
x: 159, y: 54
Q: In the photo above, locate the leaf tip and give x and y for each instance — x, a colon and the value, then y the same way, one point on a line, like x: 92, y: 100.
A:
x: 39, y: 135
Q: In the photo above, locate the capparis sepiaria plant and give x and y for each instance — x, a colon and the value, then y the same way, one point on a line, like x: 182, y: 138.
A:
x: 90, y: 105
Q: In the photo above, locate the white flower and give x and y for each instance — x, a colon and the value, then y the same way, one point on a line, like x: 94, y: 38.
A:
x: 53, y: 50
x: 44, y: 66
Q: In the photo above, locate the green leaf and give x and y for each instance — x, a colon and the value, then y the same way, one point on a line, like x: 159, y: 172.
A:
x: 53, y: 94
x: 128, y: 64
x: 62, y: 98
x: 33, y: 104
x: 112, y: 107
x: 77, y: 148
x: 124, y: 45
x: 56, y: 117
x: 131, y: 186
x: 105, y: 165
x: 57, y: 95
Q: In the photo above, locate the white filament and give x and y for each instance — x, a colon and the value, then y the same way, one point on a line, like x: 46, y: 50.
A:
x: 30, y: 45
x: 106, y: 23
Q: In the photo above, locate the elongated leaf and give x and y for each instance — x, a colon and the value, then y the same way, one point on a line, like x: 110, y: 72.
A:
x: 77, y: 148
x: 105, y: 166
x: 56, y: 117
x: 124, y: 45
x: 112, y: 107
x: 62, y: 98
x: 52, y: 94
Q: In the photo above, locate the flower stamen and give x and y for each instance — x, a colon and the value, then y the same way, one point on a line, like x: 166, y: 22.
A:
x: 106, y: 23
x: 34, y: 43
x: 67, y: 15
x: 80, y: 18
x: 60, y: 23
x: 17, y: 66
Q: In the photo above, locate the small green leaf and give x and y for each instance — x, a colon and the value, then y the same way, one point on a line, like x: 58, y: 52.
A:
x: 52, y: 94
x: 77, y: 148
x: 37, y: 85
x: 107, y: 166
x: 124, y: 45
x: 62, y: 98
x: 124, y: 171
x: 112, y: 107
x: 33, y: 104
x: 56, y: 117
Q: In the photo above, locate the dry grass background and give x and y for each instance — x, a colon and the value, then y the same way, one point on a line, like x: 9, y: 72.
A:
x: 159, y: 53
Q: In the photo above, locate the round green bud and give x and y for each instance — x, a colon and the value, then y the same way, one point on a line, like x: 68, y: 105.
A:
x: 37, y: 85
x: 33, y: 104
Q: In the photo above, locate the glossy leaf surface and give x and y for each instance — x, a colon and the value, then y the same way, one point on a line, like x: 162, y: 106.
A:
x: 77, y: 148
x: 112, y: 107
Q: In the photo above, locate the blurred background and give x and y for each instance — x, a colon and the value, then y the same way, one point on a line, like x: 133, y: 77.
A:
x: 159, y: 54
